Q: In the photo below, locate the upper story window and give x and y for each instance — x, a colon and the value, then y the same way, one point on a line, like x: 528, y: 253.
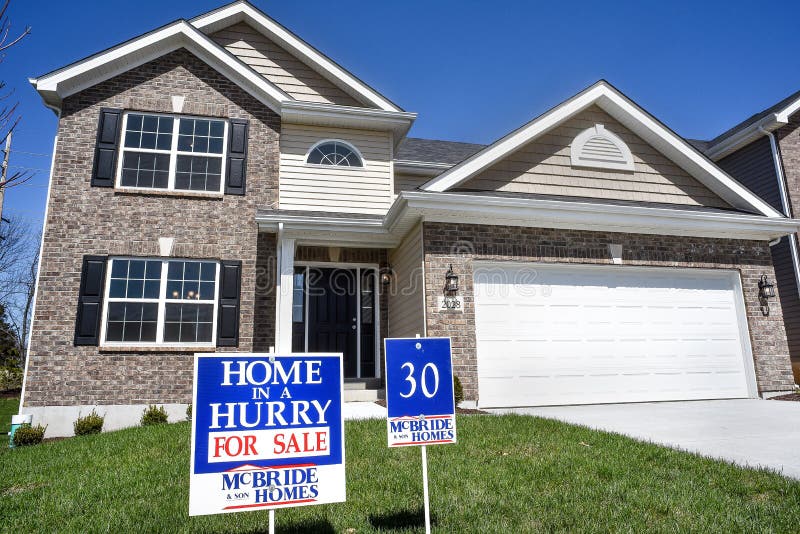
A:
x: 154, y: 301
x: 334, y: 153
x: 600, y: 148
x: 172, y: 152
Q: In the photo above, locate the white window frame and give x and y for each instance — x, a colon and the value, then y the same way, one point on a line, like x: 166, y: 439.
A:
x: 348, y: 144
x: 173, y: 153
x: 162, y: 302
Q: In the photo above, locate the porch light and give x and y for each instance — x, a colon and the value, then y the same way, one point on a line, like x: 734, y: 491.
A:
x: 450, y: 281
x: 766, y: 290
x: 386, y: 275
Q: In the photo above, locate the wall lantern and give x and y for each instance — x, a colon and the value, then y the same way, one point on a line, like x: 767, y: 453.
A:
x: 450, y: 281
x: 386, y: 275
x: 765, y: 289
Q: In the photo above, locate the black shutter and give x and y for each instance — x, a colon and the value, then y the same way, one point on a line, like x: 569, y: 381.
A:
x: 237, y: 158
x: 105, y: 153
x: 90, y: 300
x: 230, y: 281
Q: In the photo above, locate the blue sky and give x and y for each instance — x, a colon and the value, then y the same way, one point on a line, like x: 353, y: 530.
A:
x: 473, y: 70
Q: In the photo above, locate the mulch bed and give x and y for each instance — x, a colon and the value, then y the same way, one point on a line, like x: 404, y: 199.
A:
x: 789, y: 397
x: 10, y: 393
x: 463, y: 411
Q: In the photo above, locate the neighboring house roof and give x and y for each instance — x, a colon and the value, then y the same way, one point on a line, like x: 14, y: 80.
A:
x: 66, y: 81
x: 435, y: 151
x: 624, y: 110
x: 752, y: 127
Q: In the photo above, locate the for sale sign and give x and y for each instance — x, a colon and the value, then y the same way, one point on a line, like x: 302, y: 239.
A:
x: 419, y: 392
x: 267, y: 432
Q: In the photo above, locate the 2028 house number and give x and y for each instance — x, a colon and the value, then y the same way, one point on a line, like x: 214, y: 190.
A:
x: 453, y: 304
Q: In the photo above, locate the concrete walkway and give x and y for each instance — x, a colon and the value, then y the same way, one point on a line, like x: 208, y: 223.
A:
x: 749, y: 432
x: 363, y: 410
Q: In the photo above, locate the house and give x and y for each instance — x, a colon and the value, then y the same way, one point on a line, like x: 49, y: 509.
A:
x: 220, y: 185
x: 763, y: 153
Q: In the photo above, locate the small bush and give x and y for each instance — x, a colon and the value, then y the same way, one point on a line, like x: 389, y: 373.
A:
x: 458, y: 391
x: 10, y: 378
x: 90, y: 424
x: 154, y: 415
x: 29, y: 435
x: 189, y: 413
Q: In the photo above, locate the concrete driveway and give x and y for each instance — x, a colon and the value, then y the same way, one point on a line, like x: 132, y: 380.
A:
x: 749, y: 432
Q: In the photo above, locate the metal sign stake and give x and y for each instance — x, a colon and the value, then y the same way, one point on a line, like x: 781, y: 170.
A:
x: 425, y: 489
x: 272, y: 522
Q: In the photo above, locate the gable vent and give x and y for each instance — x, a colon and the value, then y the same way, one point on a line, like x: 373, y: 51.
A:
x: 599, y: 148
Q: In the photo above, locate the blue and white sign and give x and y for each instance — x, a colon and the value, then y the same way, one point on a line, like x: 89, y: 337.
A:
x: 419, y: 392
x: 267, y: 432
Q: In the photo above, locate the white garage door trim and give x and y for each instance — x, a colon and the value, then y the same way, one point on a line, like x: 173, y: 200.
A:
x: 713, y: 274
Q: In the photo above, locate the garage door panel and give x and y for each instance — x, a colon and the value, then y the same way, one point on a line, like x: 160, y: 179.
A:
x: 597, y: 334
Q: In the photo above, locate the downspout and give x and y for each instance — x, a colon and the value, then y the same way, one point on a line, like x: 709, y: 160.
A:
x: 784, y: 202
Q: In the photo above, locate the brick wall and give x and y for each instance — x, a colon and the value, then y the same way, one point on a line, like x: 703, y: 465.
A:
x: 462, y: 244
x: 93, y: 220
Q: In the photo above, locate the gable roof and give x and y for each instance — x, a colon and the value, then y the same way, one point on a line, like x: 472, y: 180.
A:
x: 616, y: 104
x: 243, y: 11
x: 61, y: 83
x: 192, y: 35
x: 752, y: 127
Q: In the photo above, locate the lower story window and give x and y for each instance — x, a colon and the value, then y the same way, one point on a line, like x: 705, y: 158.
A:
x: 153, y: 301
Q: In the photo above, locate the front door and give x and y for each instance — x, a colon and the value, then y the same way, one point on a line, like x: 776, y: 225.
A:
x: 334, y: 311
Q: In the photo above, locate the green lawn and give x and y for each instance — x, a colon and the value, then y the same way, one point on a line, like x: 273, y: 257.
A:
x: 8, y: 407
x: 507, y: 474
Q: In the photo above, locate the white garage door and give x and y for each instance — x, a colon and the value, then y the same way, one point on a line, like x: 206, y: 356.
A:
x: 566, y: 334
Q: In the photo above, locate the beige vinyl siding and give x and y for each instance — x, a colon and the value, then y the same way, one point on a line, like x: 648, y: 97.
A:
x: 408, y: 182
x: 543, y: 167
x: 337, y: 189
x: 407, y: 297
x: 279, y: 66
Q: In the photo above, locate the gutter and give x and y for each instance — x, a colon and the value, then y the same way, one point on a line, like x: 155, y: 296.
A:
x: 784, y: 202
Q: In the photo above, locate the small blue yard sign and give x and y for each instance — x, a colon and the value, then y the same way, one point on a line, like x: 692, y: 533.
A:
x: 419, y: 392
x: 267, y: 432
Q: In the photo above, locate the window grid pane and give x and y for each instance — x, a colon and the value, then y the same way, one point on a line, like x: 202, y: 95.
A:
x: 190, y: 280
x: 153, y: 132
x: 145, y: 169
x: 201, y: 136
x: 188, y: 323
x: 198, y: 173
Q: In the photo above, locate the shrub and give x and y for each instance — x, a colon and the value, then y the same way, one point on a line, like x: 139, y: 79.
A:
x: 10, y: 378
x: 154, y: 415
x: 189, y: 413
x: 90, y: 424
x: 29, y: 435
x: 458, y: 391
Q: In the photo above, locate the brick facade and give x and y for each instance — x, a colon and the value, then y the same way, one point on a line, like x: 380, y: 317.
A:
x: 463, y: 244
x: 94, y: 220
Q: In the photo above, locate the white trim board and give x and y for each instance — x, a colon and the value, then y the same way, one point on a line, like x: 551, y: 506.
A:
x: 613, y: 102
x: 241, y: 11
x: 748, y: 134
